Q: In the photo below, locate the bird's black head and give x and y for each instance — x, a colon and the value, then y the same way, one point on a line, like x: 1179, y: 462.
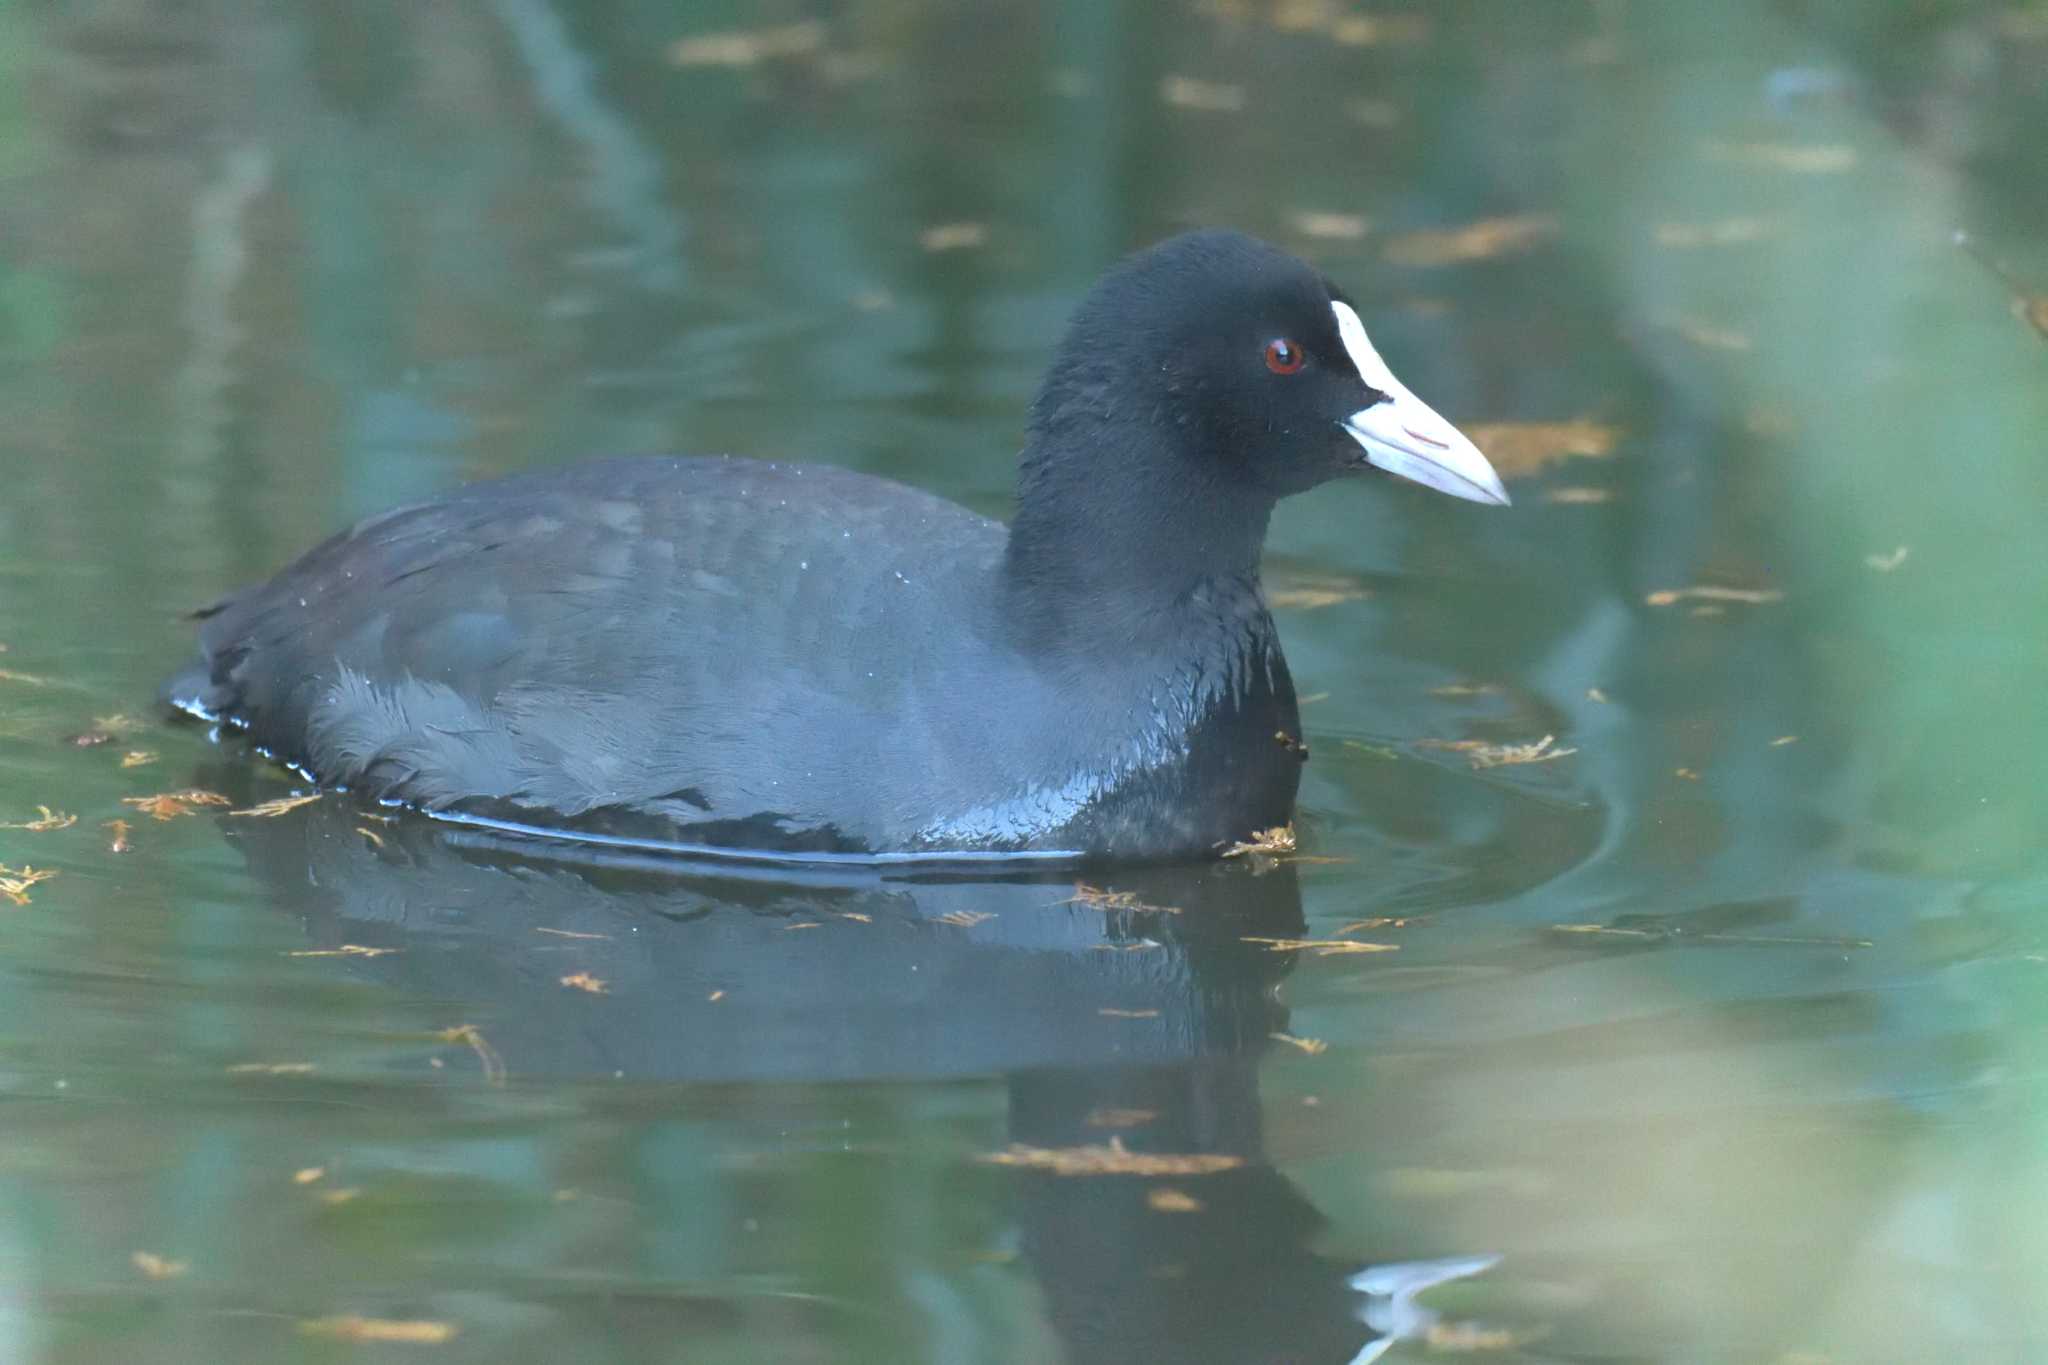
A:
x: 1247, y: 370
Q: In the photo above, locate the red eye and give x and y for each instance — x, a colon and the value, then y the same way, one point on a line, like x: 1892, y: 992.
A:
x: 1283, y: 356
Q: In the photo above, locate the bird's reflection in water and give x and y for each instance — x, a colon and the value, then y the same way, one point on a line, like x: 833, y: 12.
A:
x: 1126, y: 1012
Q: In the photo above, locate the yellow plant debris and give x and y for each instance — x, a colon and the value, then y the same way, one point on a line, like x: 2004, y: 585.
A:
x: 1665, y: 597
x: 1520, y: 449
x: 740, y: 48
x: 1484, y: 240
x: 271, y: 809
x: 360, y: 1330
x: 1111, y: 1159
x: 1794, y: 157
x: 1321, y: 947
x: 1480, y: 754
x: 953, y: 237
x: 494, y: 1065
x: 158, y: 1267
x: 1101, y: 898
x: 171, y: 805
x: 1724, y: 232
x: 1166, y: 1199
x: 1331, y: 227
x: 1279, y: 839
x: 49, y: 820
x: 15, y: 881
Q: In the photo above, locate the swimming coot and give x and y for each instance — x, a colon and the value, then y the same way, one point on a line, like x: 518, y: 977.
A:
x: 796, y: 660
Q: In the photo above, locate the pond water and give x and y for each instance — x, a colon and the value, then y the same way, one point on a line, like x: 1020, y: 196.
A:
x: 1694, y: 804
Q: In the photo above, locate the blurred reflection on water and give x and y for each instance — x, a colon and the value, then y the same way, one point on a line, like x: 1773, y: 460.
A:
x: 1716, y: 1018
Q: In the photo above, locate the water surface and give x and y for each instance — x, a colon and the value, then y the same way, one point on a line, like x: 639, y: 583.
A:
x: 1711, y: 1029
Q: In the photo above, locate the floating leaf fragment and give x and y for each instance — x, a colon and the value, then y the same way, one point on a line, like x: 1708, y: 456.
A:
x: 584, y: 981
x: 1169, y: 1200
x: 964, y: 919
x: 803, y: 924
x: 715, y: 996
x: 1795, y: 157
x: 10, y: 675
x: 1677, y: 934
x: 1279, y: 839
x: 1686, y: 774
x: 953, y: 236
x: 171, y: 805
x: 1711, y: 336
x: 1331, y: 227
x: 1111, y: 1159
x: 1578, y: 496
x: 1100, y: 898
x: 49, y: 820
x: 1111, y: 1012
x: 1466, y: 690
x: 119, y: 829
x: 1367, y: 30
x: 360, y: 1330
x: 158, y: 1267
x: 272, y: 1069
x: 1308, y: 590
x: 1376, y: 922
x: 1480, y: 754
x: 15, y: 881
x: 1321, y: 947
x: 1885, y: 563
x: 739, y: 48
x: 493, y: 1064
x: 856, y: 916
x: 572, y: 933
x: 345, y: 950
x: 1214, y: 97
x: 306, y: 1175
x: 1486, y: 239
x: 1782, y: 740
x: 137, y: 758
x: 1519, y: 449
x: 1458, y: 1338
x: 1724, y: 232
x: 1312, y: 1046
x: 1665, y: 597
x: 271, y: 809
x: 376, y: 839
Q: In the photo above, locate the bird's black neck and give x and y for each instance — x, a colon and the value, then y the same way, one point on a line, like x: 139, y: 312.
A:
x: 1109, y: 547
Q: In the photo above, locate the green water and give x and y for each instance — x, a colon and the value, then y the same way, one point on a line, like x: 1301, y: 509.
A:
x: 1723, y: 1025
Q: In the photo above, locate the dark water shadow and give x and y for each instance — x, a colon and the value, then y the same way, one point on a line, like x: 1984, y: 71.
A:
x: 1126, y: 1017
